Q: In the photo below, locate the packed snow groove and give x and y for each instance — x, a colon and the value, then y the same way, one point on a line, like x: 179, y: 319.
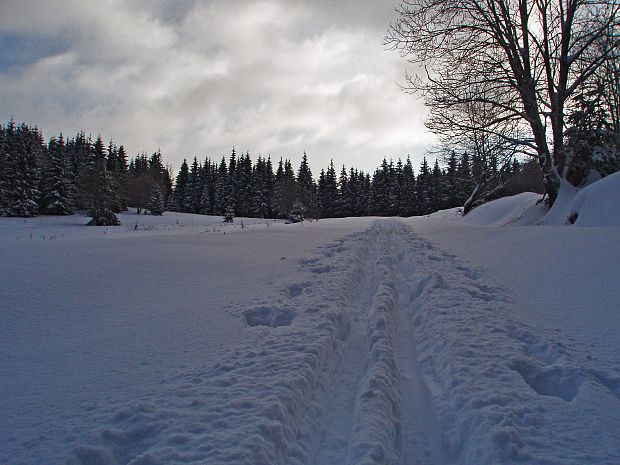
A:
x: 376, y: 434
x: 377, y: 352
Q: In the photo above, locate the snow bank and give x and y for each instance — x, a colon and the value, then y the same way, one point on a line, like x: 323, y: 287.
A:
x: 599, y: 203
x: 562, y: 208
x: 595, y: 205
x: 516, y: 210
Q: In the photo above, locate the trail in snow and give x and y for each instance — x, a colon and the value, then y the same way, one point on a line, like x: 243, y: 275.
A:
x: 394, y: 417
x: 378, y: 409
x: 376, y: 352
x: 421, y: 437
x: 504, y: 392
x: 341, y: 392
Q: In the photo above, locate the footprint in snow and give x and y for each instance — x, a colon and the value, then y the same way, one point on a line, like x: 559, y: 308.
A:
x: 321, y: 269
x: 610, y: 382
x: 295, y: 290
x: 269, y: 316
x: 551, y: 380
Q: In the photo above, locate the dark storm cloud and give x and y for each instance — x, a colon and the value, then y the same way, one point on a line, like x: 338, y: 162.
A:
x: 197, y: 77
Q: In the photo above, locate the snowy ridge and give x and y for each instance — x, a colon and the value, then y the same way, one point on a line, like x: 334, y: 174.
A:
x: 376, y: 433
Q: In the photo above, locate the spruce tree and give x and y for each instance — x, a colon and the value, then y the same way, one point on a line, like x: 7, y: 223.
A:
x: 343, y: 205
x: 19, y: 185
x: 231, y: 184
x: 328, y: 191
x: 306, y: 189
x: 244, y: 185
x: 56, y: 191
x: 381, y: 190
x: 193, y: 194
x: 437, y: 189
x: 394, y: 184
x: 115, y: 181
x: 156, y: 204
x: 289, y: 189
x: 363, y: 202
x: 285, y: 189
x: 270, y: 182
x: 465, y: 181
x: 221, y: 189
x: 452, y: 182
x: 99, y: 189
x: 258, y: 204
x: 423, y: 189
x: 207, y: 188
x: 408, y: 204
x: 181, y: 187
x: 121, y: 178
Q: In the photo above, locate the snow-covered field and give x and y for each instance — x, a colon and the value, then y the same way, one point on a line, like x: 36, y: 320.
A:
x: 430, y: 340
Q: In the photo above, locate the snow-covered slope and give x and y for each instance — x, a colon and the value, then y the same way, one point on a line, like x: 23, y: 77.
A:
x: 595, y: 205
x: 355, y: 341
x: 518, y: 210
x: 599, y: 203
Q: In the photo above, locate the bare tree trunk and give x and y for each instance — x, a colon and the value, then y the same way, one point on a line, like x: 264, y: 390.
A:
x: 469, y: 203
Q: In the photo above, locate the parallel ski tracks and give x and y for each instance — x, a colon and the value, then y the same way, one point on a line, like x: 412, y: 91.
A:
x: 379, y: 410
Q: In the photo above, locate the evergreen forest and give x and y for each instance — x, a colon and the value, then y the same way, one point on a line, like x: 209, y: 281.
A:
x: 64, y: 175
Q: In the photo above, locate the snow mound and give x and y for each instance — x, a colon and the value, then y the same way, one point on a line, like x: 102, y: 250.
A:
x: 595, y: 205
x: 516, y: 210
x: 598, y: 204
x: 562, y: 208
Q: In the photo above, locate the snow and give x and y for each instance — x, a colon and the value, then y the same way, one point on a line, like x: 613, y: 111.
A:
x: 551, y: 319
x: 481, y: 339
x: 595, y: 205
x: 561, y: 211
x: 518, y: 210
x: 598, y: 204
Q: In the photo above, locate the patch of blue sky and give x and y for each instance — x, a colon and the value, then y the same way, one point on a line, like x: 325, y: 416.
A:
x: 18, y: 51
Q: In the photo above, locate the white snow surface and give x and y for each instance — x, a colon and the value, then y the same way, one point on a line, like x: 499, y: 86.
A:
x: 518, y: 210
x: 429, y: 340
x: 599, y: 203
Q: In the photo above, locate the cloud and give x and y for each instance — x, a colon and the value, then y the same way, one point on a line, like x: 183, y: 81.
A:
x: 273, y: 77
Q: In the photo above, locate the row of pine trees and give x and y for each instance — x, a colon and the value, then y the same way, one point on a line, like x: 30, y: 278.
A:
x: 65, y: 175
x: 244, y: 188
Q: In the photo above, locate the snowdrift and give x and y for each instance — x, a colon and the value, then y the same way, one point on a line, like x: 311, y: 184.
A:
x: 595, y: 205
x: 599, y: 203
x: 517, y: 210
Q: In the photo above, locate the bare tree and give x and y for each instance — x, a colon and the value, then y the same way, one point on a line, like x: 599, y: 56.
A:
x: 609, y: 76
x: 479, y: 128
x: 529, y: 56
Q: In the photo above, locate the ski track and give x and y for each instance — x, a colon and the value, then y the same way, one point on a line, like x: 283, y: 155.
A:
x: 376, y: 353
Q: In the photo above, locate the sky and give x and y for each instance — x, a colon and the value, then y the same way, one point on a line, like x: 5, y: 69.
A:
x: 197, y: 77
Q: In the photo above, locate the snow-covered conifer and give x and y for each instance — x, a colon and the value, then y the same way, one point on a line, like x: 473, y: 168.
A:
x: 56, y: 191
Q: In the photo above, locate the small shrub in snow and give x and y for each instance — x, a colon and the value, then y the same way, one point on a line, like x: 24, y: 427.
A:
x: 103, y: 217
x: 297, y: 214
x: 229, y: 216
